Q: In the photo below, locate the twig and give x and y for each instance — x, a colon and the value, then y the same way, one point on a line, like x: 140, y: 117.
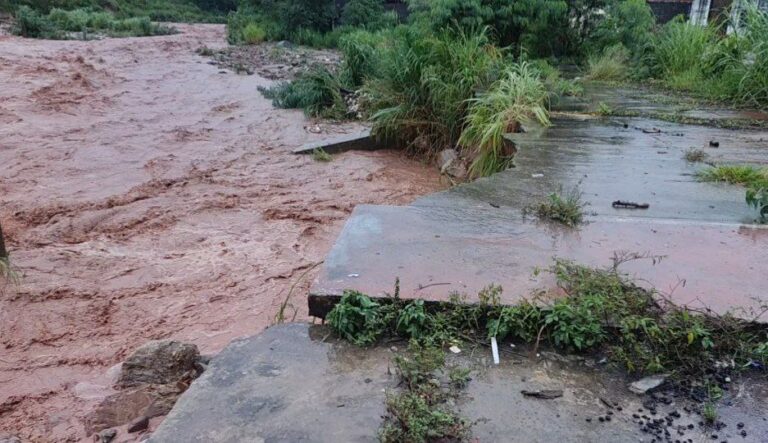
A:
x: 431, y: 284
x: 280, y: 317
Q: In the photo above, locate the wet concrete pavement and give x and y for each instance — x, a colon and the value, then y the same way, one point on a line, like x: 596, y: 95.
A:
x: 292, y: 383
x: 475, y: 234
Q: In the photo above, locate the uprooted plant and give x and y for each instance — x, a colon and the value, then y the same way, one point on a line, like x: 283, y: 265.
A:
x: 7, y: 274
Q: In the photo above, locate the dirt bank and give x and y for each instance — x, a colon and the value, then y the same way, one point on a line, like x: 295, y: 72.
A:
x: 145, y: 195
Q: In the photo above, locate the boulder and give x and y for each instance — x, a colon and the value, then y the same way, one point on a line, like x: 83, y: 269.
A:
x: 131, y: 405
x: 159, y: 362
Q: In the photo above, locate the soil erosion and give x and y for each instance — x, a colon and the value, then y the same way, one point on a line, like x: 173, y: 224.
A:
x: 147, y: 194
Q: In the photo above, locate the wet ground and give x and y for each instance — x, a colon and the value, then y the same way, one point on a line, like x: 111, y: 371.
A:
x: 471, y: 235
x: 294, y: 383
x: 147, y: 194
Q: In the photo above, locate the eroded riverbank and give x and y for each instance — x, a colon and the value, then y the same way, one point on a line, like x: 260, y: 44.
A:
x: 146, y: 194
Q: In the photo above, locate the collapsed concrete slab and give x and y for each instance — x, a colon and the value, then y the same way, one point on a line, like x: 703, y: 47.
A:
x: 360, y: 141
x: 475, y: 234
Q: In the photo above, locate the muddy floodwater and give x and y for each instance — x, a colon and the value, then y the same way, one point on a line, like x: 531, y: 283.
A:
x: 147, y: 194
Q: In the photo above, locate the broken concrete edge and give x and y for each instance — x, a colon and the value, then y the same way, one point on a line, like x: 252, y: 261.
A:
x: 320, y: 304
x: 361, y: 141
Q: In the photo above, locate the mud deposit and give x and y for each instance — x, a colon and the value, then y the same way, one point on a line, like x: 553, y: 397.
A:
x: 146, y: 194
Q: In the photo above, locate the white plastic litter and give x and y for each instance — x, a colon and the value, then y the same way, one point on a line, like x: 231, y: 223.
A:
x: 537, y: 175
x: 455, y: 349
x: 495, y: 350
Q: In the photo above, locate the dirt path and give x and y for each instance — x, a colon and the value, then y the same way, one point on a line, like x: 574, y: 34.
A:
x: 146, y: 195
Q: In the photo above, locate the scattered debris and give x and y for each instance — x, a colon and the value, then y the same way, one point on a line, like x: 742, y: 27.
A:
x: 495, y: 350
x: 544, y: 394
x: 274, y: 61
x: 630, y: 205
x: 455, y: 349
x: 714, y: 144
x: 647, y: 384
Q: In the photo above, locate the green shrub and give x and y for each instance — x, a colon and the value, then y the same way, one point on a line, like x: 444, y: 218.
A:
x: 30, y: 23
x: 363, y: 13
x: 58, y: 22
x: 253, y: 34
x: 538, y: 27
x: 317, y: 92
x: 357, y: 318
x: 518, y: 97
x: 629, y: 23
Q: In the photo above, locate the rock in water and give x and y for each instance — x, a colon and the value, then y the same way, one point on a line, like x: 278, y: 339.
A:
x: 647, y: 384
x: 159, y: 362
x: 107, y: 435
x: 139, y: 424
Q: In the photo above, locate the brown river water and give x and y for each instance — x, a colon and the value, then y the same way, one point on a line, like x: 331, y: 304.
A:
x: 146, y: 195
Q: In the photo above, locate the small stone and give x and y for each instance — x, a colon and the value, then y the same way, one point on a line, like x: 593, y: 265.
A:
x: 740, y: 425
x: 139, y: 424
x: 647, y: 384
x: 743, y: 433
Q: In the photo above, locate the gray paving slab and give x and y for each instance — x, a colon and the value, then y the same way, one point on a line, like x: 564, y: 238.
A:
x: 294, y: 384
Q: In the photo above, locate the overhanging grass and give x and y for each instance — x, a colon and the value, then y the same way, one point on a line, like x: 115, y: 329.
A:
x: 746, y: 175
x: 518, y: 97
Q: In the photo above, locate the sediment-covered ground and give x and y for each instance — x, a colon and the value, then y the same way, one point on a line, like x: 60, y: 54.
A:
x: 147, y: 194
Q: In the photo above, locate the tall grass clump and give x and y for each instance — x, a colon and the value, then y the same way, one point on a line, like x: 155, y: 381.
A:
x: 253, y: 34
x: 316, y: 91
x: 681, y: 51
x: 747, y: 69
x: 360, y: 57
x: 612, y: 64
x: 518, y: 97
x: 422, y: 93
x: 754, y: 178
